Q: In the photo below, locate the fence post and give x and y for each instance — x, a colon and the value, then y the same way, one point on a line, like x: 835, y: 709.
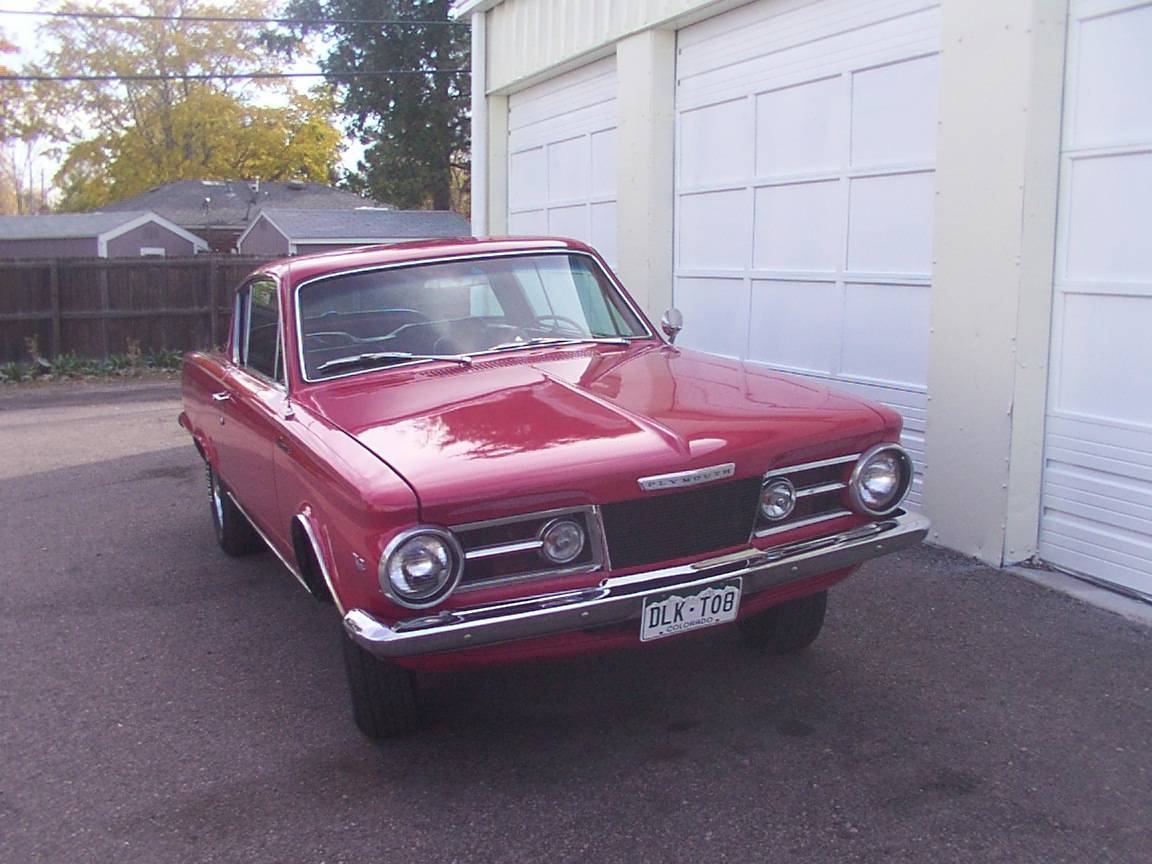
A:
x: 105, y: 308
x: 54, y: 294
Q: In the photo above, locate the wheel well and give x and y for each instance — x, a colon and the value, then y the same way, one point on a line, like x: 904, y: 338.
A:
x: 308, y: 564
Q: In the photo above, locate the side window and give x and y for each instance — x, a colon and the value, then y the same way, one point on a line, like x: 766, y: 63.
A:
x: 262, y: 330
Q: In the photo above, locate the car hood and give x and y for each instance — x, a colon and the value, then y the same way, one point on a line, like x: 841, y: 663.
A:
x: 553, y: 428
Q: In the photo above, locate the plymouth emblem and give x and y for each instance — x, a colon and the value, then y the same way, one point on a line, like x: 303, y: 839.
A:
x: 687, y: 478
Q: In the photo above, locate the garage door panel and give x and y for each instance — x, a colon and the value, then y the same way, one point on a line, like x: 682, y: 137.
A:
x: 780, y: 44
x: 528, y: 222
x: 1113, y: 79
x: 1096, y: 501
x: 711, y: 309
x: 713, y: 144
x: 1106, y: 339
x: 789, y: 322
x: 528, y: 178
x: 714, y: 231
x: 873, y: 311
x: 603, y: 179
x: 569, y: 170
x: 562, y: 160
x: 800, y: 129
x: 837, y: 206
x: 894, y: 113
x: 799, y: 227
x: 891, y: 218
x: 1109, y: 211
x: 570, y: 221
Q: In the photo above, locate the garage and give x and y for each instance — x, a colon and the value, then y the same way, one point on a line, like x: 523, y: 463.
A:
x: 805, y: 155
x: 1096, y: 505
x: 562, y: 157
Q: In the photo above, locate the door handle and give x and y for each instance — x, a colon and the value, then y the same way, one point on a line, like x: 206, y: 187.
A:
x: 283, y: 444
x: 222, y: 396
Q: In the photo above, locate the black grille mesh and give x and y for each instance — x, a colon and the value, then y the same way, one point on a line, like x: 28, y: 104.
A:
x: 680, y: 524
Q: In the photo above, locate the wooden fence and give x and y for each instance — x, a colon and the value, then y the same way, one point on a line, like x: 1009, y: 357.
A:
x: 95, y: 307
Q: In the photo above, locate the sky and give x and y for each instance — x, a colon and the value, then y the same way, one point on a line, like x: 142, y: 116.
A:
x: 20, y: 30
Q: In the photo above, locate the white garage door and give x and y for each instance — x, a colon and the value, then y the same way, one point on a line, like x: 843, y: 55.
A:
x: 806, y: 143
x: 1096, y: 515
x: 562, y: 157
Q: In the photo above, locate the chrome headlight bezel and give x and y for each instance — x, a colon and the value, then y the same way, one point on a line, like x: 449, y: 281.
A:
x: 396, y: 544
x: 903, y: 484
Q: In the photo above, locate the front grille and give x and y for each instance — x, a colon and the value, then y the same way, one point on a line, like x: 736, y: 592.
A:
x: 680, y: 524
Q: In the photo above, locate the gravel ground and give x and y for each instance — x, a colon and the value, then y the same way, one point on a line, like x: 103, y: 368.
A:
x: 160, y: 702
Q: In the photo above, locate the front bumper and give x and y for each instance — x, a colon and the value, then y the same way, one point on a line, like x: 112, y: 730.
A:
x: 621, y: 598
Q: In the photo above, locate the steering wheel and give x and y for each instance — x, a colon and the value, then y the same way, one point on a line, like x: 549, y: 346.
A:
x: 576, y: 329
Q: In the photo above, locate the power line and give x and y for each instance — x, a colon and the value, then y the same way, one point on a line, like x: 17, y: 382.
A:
x: 233, y: 19
x: 235, y: 76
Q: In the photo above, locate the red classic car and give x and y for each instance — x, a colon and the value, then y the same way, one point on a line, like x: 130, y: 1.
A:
x: 483, y: 451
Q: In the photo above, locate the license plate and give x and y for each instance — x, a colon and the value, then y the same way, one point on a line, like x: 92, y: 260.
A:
x: 675, y: 612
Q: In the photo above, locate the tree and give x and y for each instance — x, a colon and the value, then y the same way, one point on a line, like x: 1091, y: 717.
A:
x: 415, y: 126
x: 217, y: 136
x: 130, y: 136
x: 24, y: 139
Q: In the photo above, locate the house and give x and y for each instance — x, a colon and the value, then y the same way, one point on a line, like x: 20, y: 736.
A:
x: 221, y: 210
x: 945, y: 206
x: 277, y: 233
x: 128, y: 234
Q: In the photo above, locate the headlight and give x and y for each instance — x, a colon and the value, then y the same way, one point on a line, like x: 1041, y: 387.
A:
x: 421, y: 567
x: 777, y: 499
x: 881, y: 479
x: 563, y: 541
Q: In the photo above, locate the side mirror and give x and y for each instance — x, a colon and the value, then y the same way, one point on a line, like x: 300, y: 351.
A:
x: 672, y: 323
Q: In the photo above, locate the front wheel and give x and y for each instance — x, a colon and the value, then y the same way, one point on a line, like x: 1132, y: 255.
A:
x: 383, y: 694
x: 787, y: 628
x: 234, y: 532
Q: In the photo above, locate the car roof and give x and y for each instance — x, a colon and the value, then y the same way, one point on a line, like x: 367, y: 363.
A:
x: 304, y: 267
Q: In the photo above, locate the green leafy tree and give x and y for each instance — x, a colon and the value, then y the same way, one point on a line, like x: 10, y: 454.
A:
x: 127, y: 136
x: 415, y: 126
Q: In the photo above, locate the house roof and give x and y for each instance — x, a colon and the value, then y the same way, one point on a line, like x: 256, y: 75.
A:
x: 64, y: 226
x: 365, y: 225
x: 232, y: 203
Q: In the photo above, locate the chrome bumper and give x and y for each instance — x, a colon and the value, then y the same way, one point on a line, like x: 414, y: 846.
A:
x: 621, y: 598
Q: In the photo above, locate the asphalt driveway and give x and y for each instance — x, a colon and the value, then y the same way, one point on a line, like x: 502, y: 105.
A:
x: 160, y: 702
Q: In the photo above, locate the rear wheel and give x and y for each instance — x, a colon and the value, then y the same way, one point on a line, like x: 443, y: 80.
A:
x: 383, y: 694
x: 234, y: 532
x: 787, y: 628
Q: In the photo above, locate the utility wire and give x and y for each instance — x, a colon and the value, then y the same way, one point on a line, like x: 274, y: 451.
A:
x: 232, y: 19
x: 236, y: 76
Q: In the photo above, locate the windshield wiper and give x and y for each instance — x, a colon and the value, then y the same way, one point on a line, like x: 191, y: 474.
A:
x: 558, y: 340
x: 376, y: 356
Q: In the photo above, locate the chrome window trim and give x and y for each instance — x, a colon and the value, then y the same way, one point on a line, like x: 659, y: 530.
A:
x: 241, y: 332
x: 480, y: 256
x: 401, y: 538
x: 839, y: 513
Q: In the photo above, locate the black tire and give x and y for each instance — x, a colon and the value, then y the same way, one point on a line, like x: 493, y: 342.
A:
x: 383, y: 695
x: 234, y: 532
x: 787, y: 628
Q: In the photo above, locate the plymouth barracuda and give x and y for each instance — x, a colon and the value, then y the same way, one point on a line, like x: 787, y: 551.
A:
x: 483, y: 451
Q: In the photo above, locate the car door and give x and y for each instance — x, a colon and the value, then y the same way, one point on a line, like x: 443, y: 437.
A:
x: 253, y: 409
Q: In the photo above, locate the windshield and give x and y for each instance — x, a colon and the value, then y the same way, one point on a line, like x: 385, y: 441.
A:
x: 454, y: 309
